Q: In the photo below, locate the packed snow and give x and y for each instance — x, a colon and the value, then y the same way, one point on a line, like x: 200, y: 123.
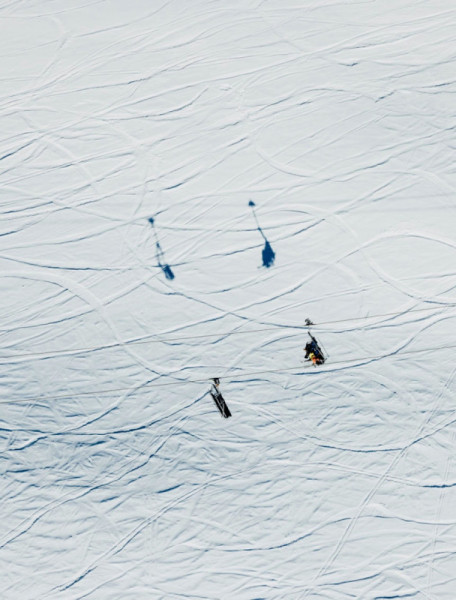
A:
x: 182, y: 185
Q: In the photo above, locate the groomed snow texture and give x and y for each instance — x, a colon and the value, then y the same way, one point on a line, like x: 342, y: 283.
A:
x: 182, y: 184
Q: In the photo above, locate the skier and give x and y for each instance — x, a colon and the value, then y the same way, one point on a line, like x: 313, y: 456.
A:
x: 313, y: 352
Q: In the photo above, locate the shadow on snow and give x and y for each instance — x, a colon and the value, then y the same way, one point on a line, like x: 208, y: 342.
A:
x: 267, y: 254
x: 160, y: 255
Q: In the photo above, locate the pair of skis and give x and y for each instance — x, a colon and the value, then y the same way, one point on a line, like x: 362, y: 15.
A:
x: 219, y: 399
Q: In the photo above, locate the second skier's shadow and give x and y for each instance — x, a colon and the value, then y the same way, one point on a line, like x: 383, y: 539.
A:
x: 267, y: 254
x: 160, y: 255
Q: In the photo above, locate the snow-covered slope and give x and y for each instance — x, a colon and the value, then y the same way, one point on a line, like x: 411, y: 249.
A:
x: 182, y: 184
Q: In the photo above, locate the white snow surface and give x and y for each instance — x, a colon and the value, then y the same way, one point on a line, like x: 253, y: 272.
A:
x: 119, y: 477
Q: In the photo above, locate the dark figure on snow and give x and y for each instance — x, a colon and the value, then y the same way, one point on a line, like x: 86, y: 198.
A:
x: 314, y: 353
x: 219, y: 399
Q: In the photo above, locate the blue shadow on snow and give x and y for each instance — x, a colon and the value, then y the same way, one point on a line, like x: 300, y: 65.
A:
x: 160, y: 255
x: 267, y: 254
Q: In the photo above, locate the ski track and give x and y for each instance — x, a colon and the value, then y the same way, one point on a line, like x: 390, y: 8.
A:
x: 336, y: 120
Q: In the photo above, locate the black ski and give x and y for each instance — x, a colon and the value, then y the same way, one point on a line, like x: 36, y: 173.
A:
x: 219, y: 399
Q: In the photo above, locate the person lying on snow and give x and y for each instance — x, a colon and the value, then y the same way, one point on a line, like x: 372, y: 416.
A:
x: 313, y: 353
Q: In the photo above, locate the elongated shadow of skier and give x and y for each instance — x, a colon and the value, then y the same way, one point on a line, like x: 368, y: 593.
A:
x: 267, y: 254
x: 160, y: 255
